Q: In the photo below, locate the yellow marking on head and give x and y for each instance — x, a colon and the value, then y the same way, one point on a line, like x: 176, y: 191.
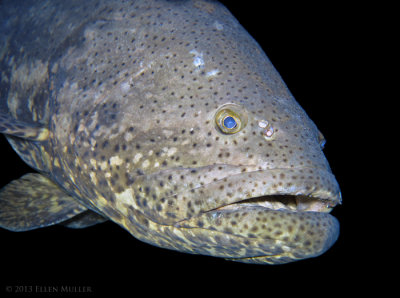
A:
x: 93, y: 162
x: 46, y: 158
x: 43, y: 135
x: 93, y: 178
x: 146, y: 164
x: 102, y: 200
x: 103, y: 165
x: 172, y: 151
x: 56, y: 162
x: 116, y: 161
x: 124, y: 200
x: 128, y: 137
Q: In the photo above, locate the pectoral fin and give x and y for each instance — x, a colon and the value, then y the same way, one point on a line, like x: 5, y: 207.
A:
x: 34, y: 201
x: 11, y: 126
x: 85, y: 219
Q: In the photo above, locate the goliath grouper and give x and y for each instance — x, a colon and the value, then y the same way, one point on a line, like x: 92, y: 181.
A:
x: 166, y: 118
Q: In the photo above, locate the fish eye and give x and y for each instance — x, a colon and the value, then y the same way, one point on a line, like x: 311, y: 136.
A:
x: 229, y: 122
x: 229, y: 119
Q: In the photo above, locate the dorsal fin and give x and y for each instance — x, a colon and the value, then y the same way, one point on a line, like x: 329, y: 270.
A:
x: 16, y: 128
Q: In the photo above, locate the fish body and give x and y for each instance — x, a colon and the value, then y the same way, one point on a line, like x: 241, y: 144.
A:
x: 165, y: 117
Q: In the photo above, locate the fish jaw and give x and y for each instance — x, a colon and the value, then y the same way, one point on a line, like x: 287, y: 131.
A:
x: 278, y: 227
x: 269, y: 236
x: 254, y: 218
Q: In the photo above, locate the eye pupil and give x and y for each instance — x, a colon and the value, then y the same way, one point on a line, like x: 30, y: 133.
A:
x: 230, y: 122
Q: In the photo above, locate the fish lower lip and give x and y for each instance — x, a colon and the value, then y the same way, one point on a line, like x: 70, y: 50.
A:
x: 275, y: 229
x: 269, y: 236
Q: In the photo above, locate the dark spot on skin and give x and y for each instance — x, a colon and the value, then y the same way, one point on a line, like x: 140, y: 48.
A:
x: 105, y: 144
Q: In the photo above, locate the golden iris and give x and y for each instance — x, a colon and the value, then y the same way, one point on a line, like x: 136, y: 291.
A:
x: 228, y: 121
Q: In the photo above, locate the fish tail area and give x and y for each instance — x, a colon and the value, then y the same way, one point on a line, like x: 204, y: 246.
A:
x: 34, y: 201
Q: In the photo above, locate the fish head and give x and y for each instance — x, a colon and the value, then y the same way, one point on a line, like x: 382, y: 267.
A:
x: 204, y: 149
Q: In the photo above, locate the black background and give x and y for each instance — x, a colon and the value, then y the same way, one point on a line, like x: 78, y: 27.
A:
x: 312, y: 48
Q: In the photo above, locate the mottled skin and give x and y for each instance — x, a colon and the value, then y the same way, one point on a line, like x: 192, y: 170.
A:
x: 124, y: 96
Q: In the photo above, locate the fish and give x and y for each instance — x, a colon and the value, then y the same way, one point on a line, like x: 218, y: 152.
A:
x: 166, y: 118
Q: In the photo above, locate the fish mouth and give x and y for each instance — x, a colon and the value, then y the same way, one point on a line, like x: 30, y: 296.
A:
x: 288, y: 202
x: 276, y: 227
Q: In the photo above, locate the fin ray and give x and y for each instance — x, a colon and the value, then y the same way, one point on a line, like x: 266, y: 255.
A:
x: 34, y: 201
x: 84, y: 220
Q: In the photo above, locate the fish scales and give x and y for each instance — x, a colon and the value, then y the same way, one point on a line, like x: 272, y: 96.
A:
x: 167, y: 118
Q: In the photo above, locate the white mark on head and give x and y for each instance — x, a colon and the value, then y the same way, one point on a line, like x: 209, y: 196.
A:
x: 198, y: 61
x: 212, y: 73
x: 125, y: 86
x: 263, y: 123
x: 218, y: 26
